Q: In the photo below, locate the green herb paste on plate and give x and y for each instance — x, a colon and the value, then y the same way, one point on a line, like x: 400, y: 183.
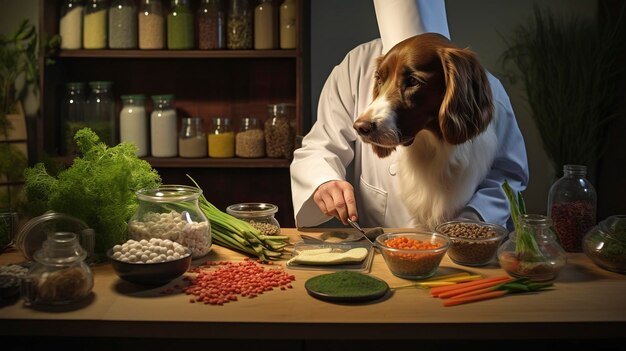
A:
x: 346, y: 286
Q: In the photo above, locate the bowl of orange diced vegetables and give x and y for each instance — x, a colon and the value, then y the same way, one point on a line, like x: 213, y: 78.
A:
x: 413, y: 255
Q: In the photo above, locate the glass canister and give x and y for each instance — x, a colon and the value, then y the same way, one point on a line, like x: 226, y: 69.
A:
x: 60, y: 274
x: 100, y: 111
x: 279, y: 132
x: 250, y: 139
x: 192, y: 141
x: 239, y: 23
x: 264, y: 26
x: 260, y: 215
x: 151, y: 25
x: 288, y: 27
x: 95, y: 24
x: 605, y: 244
x: 534, y: 254
x: 134, y: 123
x: 163, y: 129
x: 71, y: 24
x: 180, y: 26
x: 172, y: 212
x: 122, y: 24
x: 221, y: 138
x: 211, y: 25
x: 572, y: 207
x: 73, y: 115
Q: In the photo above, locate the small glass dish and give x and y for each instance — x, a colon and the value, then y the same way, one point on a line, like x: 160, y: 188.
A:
x: 413, y: 263
x: 472, y: 243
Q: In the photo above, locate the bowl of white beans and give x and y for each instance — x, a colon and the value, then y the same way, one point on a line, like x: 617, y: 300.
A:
x: 150, y: 262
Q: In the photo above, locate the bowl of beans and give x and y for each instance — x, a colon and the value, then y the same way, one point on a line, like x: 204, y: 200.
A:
x: 413, y: 255
x: 150, y: 262
x: 472, y: 243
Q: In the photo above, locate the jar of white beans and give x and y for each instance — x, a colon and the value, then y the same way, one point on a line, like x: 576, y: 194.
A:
x: 172, y: 212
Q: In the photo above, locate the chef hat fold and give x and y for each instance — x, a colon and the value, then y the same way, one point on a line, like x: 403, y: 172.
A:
x: 401, y: 19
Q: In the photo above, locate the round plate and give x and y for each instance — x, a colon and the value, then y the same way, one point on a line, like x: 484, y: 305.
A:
x: 348, y: 287
x: 340, y: 237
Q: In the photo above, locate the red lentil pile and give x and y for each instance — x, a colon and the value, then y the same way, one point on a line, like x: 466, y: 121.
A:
x: 231, y: 279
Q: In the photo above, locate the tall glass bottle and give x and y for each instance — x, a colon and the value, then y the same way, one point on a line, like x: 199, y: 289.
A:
x: 264, y: 26
x: 572, y: 206
x: 73, y: 114
x: 211, y: 25
x: 122, y: 24
x: 287, y: 17
x: 95, y: 24
x: 180, y: 26
x: 151, y: 25
x: 71, y: 24
x: 134, y: 123
x: 239, y: 24
x: 163, y: 133
x: 100, y: 116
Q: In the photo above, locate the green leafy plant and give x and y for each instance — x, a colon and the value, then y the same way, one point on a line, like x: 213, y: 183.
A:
x: 569, y: 69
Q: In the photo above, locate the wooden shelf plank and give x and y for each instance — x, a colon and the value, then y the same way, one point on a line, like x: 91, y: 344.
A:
x: 167, y: 54
x: 179, y: 162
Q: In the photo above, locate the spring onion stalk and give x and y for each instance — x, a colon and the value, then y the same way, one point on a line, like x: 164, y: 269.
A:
x: 236, y: 234
x: 526, y: 246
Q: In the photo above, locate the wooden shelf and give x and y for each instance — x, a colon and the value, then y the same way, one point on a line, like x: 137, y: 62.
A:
x: 167, y: 54
x: 179, y: 162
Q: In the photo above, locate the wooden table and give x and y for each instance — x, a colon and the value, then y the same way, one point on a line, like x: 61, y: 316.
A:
x: 588, y: 304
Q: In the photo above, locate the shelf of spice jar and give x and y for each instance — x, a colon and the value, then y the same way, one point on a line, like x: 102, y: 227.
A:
x: 233, y: 162
x: 178, y: 53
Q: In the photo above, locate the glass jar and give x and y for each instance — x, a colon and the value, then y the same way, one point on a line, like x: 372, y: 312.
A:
x: 221, y: 138
x: 71, y: 24
x: 539, y: 259
x: 192, y: 141
x: 259, y: 215
x: 95, y: 25
x: 605, y: 244
x: 172, y: 212
x: 288, y: 27
x: 211, y: 25
x: 151, y: 25
x: 163, y: 135
x: 279, y: 134
x: 572, y: 207
x: 73, y: 115
x: 264, y: 26
x: 60, y: 274
x: 180, y: 26
x: 100, y: 111
x: 123, y: 24
x: 239, y: 36
x: 250, y: 139
x: 134, y: 123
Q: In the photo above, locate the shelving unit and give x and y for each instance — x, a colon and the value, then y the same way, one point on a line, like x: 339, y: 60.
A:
x: 206, y: 84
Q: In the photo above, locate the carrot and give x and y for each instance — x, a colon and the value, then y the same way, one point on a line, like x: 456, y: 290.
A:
x: 436, y: 291
x: 478, y: 297
x: 455, y: 292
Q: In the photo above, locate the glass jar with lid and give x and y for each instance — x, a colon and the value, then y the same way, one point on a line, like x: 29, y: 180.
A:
x: 250, y: 139
x: 279, y: 131
x: 260, y: 215
x: 71, y: 24
x: 239, y: 23
x: 535, y: 253
x: 572, y: 207
x: 211, y: 25
x: 95, y: 25
x: 221, y: 138
x: 605, y: 244
x: 172, y: 212
x: 134, y: 123
x: 60, y: 274
x: 163, y: 128
x: 180, y: 26
x: 151, y: 25
x: 122, y: 24
x: 73, y: 115
x: 192, y: 141
x: 100, y: 115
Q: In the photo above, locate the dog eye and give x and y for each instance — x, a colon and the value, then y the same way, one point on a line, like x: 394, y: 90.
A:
x: 377, y: 78
x: 412, y: 81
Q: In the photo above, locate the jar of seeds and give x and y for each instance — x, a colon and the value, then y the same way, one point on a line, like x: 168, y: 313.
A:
x: 250, y: 140
x: 279, y: 132
x: 260, y: 215
x: 239, y: 25
x: 122, y: 24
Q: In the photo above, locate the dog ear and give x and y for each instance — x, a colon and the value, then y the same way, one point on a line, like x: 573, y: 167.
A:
x: 467, y: 106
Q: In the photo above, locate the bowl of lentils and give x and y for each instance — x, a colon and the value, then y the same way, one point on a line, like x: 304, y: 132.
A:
x: 413, y: 255
x: 472, y: 243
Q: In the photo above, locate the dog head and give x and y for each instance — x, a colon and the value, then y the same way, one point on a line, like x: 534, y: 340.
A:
x: 426, y: 83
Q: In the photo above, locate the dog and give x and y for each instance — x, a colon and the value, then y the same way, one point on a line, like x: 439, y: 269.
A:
x: 435, y: 100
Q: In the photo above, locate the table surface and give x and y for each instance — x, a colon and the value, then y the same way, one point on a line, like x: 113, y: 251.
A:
x: 587, y: 302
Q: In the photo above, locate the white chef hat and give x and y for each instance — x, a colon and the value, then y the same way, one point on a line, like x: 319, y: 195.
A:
x: 401, y: 19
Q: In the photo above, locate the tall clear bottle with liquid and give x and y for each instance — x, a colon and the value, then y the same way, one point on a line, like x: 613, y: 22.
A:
x: 100, y: 115
x: 73, y: 115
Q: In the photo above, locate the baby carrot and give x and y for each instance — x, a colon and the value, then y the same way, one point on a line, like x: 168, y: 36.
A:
x: 454, y: 292
x: 479, y: 297
x: 438, y: 290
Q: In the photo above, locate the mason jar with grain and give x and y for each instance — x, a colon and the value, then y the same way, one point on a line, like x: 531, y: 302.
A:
x: 221, y: 138
x: 239, y: 24
x: 250, y: 140
x: 192, y: 142
x: 279, y: 131
x: 151, y: 25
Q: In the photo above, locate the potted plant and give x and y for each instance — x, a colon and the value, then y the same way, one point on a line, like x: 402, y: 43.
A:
x: 570, y: 72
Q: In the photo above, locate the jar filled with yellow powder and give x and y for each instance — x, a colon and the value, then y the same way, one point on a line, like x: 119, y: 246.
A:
x: 221, y: 138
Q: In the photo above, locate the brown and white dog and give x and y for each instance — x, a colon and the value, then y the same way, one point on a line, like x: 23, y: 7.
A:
x: 434, y: 99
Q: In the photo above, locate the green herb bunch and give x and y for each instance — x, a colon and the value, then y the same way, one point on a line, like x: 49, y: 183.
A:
x: 99, y: 187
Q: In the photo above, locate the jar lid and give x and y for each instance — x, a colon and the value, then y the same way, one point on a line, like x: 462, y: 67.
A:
x: 137, y: 97
x: 615, y: 227
x: 163, y: 97
x: 252, y: 209
x: 100, y: 83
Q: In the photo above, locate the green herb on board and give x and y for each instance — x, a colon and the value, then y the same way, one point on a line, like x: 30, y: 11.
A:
x: 346, y: 284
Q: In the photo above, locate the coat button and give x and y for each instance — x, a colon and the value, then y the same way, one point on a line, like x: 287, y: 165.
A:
x: 393, y: 169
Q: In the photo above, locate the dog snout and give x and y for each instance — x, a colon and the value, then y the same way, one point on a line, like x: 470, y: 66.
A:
x: 364, y: 126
